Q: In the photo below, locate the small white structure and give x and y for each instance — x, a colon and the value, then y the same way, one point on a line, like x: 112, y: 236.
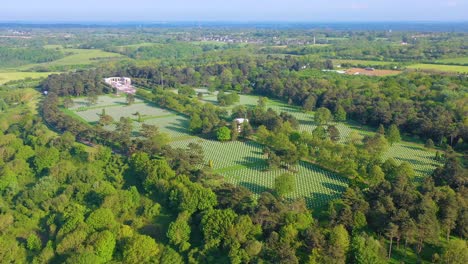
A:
x: 122, y: 84
x: 240, y: 122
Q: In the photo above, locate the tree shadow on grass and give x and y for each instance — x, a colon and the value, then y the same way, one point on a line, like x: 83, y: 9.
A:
x: 414, y: 161
x: 334, y: 187
x: 178, y: 129
x: 319, y: 200
x: 307, y: 122
x: 283, y: 108
x: 413, y: 148
x: 255, y: 188
x: 254, y: 163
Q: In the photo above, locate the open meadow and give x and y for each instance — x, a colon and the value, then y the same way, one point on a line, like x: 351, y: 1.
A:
x: 75, y: 57
x: 18, y: 75
x: 459, y: 60
x: 440, y: 67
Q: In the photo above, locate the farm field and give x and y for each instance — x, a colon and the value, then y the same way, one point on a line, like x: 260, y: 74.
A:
x: 461, y: 60
x: 76, y: 57
x: 440, y: 67
x: 244, y: 165
x: 18, y: 75
x: 363, y: 62
x: 375, y: 72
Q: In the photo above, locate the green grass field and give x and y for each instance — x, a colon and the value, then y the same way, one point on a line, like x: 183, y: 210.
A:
x: 241, y: 163
x: 17, y: 75
x: 461, y: 60
x: 75, y: 57
x: 422, y: 160
x: 363, y: 62
x: 440, y: 67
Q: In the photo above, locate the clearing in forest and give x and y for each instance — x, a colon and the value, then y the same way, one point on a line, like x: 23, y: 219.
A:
x: 241, y: 163
x: 421, y: 159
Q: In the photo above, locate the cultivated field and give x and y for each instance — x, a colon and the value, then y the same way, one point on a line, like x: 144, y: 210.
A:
x: 375, y: 72
x: 440, y: 67
x: 75, y: 57
x: 461, y: 61
x: 363, y: 62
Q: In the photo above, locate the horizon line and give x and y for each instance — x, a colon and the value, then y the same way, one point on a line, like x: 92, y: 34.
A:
x: 58, y: 21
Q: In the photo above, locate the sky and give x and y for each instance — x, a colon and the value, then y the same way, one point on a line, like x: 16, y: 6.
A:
x: 233, y: 10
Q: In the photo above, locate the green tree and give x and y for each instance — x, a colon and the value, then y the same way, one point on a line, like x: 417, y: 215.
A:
x: 284, y: 184
x: 376, y: 175
x: 391, y: 232
x: 170, y: 256
x: 68, y: 102
x: 456, y: 252
x: 309, y: 103
x: 215, y: 225
x: 140, y: 249
x: 381, y: 130
x: 429, y: 144
x: 33, y: 242
x: 323, y: 116
x: 366, y: 250
x: 334, y: 133
x: 104, y: 244
x: 130, y: 99
x: 102, y: 218
x: 393, y: 135
x: 195, y: 123
x: 92, y: 99
x: 340, y: 114
x: 223, y: 134
x: 179, y: 232
x: 45, y: 158
x: 376, y: 145
x: 105, y: 120
x: 448, y: 210
x: 339, y: 244
x: 234, y: 131
x: 187, y: 91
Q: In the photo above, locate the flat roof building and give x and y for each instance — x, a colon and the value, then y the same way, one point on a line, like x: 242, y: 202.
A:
x: 121, y: 84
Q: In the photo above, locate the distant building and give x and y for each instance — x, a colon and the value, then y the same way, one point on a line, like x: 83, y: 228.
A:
x: 240, y: 122
x: 121, y: 84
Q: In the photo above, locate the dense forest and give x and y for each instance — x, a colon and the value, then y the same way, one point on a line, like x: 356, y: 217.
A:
x: 11, y: 57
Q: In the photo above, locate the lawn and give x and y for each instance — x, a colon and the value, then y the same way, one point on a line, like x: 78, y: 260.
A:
x: 363, y: 62
x: 316, y: 185
x: 242, y: 163
x: 76, y: 57
x: 440, y: 67
x: 17, y: 75
x: 460, y: 60
x: 422, y: 159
